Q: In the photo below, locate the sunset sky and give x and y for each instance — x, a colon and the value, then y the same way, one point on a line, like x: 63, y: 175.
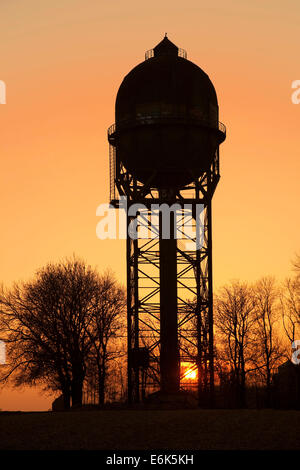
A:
x: 63, y: 61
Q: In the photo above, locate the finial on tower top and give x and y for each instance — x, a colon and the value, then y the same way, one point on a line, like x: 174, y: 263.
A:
x: 166, y: 35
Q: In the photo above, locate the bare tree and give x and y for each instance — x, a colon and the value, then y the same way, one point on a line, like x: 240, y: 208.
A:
x: 269, y: 349
x: 108, y: 321
x: 296, y: 265
x: 47, y: 326
x: 290, y: 305
x: 235, y: 319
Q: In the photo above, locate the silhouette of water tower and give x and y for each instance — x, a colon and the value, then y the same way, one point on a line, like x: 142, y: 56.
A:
x: 164, y: 162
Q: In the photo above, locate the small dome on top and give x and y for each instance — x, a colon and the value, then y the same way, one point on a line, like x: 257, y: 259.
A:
x: 165, y: 47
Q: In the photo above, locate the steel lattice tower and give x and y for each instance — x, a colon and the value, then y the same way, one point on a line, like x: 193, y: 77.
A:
x: 169, y: 280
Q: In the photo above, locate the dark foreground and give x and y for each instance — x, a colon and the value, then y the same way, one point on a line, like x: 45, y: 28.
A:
x: 153, y: 429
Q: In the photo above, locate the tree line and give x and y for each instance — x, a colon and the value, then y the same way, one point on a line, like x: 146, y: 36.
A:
x: 256, y: 325
x: 65, y: 330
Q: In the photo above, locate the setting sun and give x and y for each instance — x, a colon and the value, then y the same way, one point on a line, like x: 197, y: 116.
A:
x: 189, y: 373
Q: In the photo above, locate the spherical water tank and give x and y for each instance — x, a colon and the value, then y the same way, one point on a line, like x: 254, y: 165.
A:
x: 167, y: 121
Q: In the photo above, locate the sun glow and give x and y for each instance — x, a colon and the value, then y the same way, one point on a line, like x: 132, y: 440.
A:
x: 188, y: 373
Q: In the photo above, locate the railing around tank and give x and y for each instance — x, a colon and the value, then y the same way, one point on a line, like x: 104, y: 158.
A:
x: 112, y: 172
x: 111, y: 130
x: 150, y: 53
x: 222, y: 127
x: 160, y: 118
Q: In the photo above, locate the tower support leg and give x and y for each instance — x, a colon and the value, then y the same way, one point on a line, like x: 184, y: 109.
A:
x: 169, y: 354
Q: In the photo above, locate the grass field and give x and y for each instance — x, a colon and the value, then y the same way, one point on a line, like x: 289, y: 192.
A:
x: 151, y: 429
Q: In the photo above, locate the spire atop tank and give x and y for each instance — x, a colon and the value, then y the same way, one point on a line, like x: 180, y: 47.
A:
x: 165, y: 47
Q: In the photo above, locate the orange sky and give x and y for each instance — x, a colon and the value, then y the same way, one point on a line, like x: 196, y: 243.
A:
x: 62, y: 62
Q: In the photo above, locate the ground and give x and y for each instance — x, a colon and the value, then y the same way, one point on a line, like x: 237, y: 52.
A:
x: 151, y: 429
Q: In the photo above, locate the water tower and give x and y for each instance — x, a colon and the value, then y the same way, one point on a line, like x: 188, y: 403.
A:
x: 164, y: 150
